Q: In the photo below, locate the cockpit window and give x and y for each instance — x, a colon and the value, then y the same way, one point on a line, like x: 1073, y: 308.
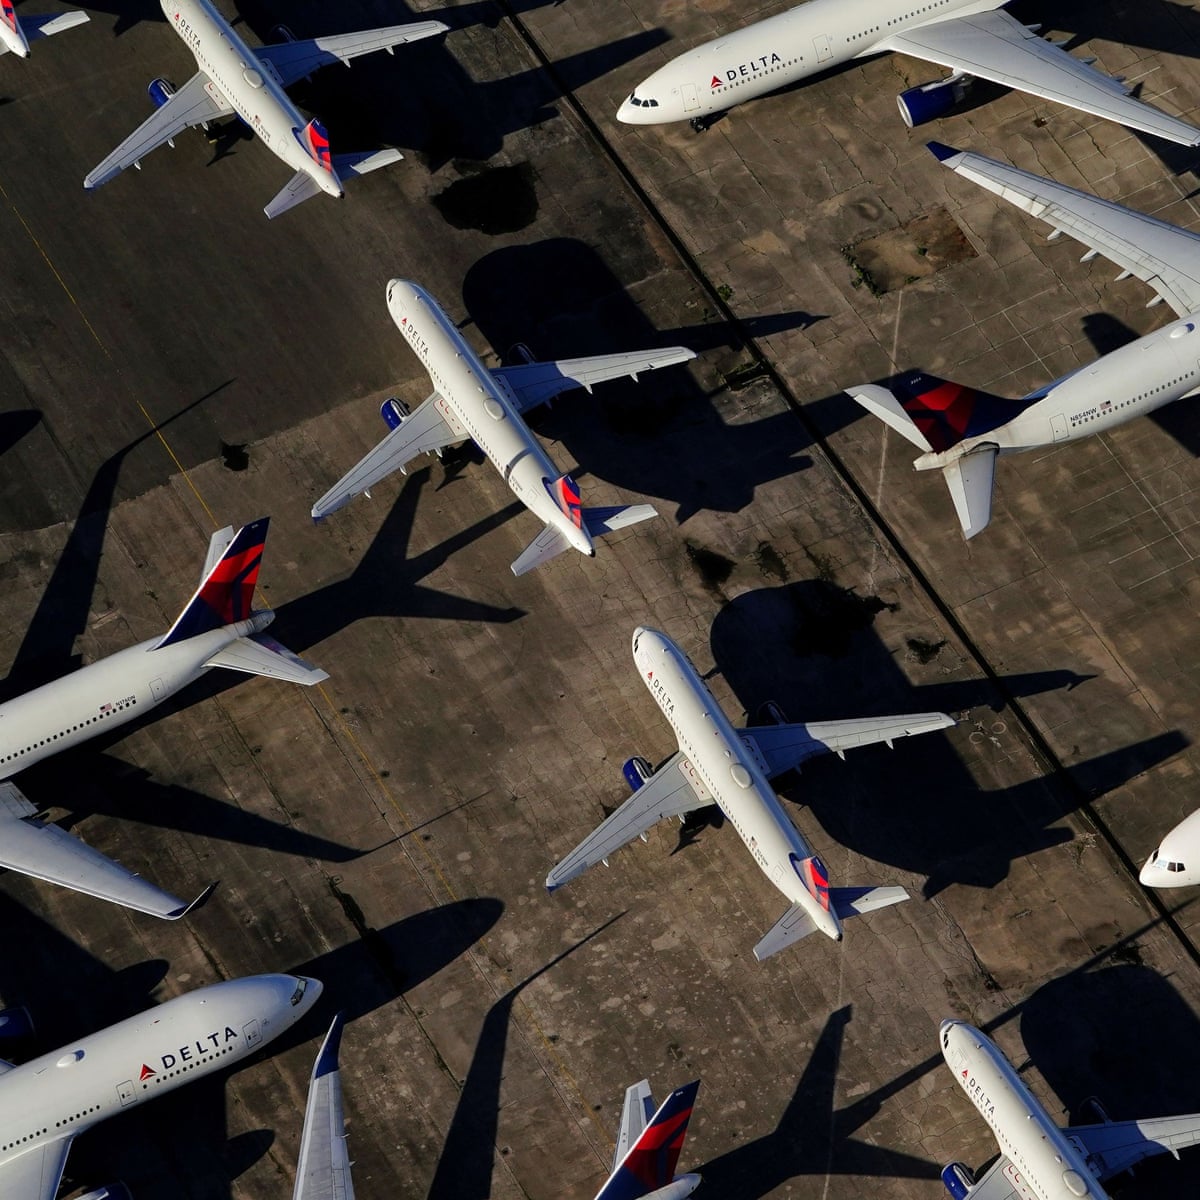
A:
x: 298, y: 994
x: 1175, y: 866
x: 633, y: 99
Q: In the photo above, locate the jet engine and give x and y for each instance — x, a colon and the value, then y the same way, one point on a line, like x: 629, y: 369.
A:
x: 394, y: 412
x: 15, y: 1023
x: 636, y: 771
x: 959, y: 1180
x: 113, y: 1191
x: 931, y: 100
x: 160, y: 91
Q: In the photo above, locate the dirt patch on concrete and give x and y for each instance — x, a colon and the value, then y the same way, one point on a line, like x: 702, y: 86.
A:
x: 921, y: 248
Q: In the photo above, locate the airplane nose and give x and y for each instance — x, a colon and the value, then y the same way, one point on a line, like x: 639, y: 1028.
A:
x: 1149, y: 870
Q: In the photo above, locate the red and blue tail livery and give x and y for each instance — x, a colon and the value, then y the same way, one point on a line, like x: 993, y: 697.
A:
x: 316, y: 141
x: 226, y: 595
x: 650, y: 1162
x: 566, y: 492
x: 947, y: 413
x: 10, y: 16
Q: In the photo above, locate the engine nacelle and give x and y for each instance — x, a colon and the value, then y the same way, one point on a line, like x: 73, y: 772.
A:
x: 926, y: 103
x: 114, y: 1191
x: 959, y: 1180
x: 160, y: 91
x: 394, y: 412
x: 15, y: 1023
x: 636, y: 771
x: 281, y: 33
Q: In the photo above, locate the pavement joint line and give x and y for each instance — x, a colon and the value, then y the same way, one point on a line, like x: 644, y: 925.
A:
x: 62, y: 283
x: 1084, y: 809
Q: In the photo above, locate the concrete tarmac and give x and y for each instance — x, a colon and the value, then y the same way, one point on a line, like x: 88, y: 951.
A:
x: 176, y: 362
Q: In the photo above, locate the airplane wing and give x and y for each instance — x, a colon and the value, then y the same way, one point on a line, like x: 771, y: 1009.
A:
x: 997, y: 1183
x: 196, y: 103
x: 782, y: 747
x: 40, y: 849
x: 36, y: 1174
x: 1164, y: 256
x: 1116, y: 1146
x: 531, y: 384
x: 426, y: 429
x: 294, y: 60
x: 667, y: 793
x: 995, y: 45
x: 323, y: 1172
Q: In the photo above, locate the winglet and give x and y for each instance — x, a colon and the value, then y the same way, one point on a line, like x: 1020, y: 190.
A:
x: 941, y: 151
x: 226, y: 594
x: 199, y: 902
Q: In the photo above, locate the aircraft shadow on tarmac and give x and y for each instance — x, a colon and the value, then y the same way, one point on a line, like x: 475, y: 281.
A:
x: 178, y: 1147
x: 812, y: 1136
x: 660, y: 437
x: 15, y: 425
x: 1181, y: 420
x: 809, y: 646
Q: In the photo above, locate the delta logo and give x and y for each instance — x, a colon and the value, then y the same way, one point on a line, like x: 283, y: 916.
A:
x: 745, y: 70
x: 199, y: 1049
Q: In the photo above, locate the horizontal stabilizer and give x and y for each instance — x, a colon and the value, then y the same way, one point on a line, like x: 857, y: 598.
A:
x: 881, y: 403
x: 794, y: 925
x: 44, y: 851
x: 970, y: 482
x: 262, y: 655
x: 347, y: 165
x: 49, y: 24
x: 548, y: 544
x: 601, y: 521
x: 302, y: 186
x: 855, y: 901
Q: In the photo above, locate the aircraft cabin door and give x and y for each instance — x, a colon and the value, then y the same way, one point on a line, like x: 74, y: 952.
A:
x: 158, y: 689
x: 252, y: 1032
x: 822, y: 47
x: 1058, y: 426
x: 125, y: 1093
x: 691, y: 101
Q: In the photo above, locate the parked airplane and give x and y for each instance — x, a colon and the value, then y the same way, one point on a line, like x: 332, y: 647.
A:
x: 971, y: 38
x: 962, y: 431
x: 648, y: 1146
x: 323, y: 1172
x: 218, y: 628
x: 46, y: 1103
x: 473, y: 401
x: 235, y: 79
x: 16, y: 33
x: 719, y: 764
x: 1038, y: 1160
x: 1176, y: 862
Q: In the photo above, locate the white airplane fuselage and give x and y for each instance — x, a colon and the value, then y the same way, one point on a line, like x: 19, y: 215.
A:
x: 107, y: 694
x: 476, y: 404
x: 1176, y: 861
x: 1129, y: 382
x: 781, y: 50
x: 1045, y: 1163
x: 247, y: 84
x: 71, y: 1089
x: 12, y: 36
x: 725, y: 771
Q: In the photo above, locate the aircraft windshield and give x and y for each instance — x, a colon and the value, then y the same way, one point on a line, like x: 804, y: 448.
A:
x: 298, y: 994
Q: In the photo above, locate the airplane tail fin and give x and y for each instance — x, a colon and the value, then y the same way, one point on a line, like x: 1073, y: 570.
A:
x: 303, y: 186
x: 936, y: 414
x: 649, y: 1164
x: 315, y: 140
x: 8, y: 14
x: 566, y: 495
x: 226, y: 593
